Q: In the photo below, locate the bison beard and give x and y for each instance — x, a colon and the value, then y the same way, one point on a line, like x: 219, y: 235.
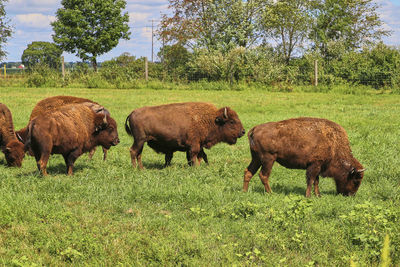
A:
x: 9, y: 144
x: 54, y: 103
x: 187, y: 127
x: 71, y: 131
x: 317, y: 145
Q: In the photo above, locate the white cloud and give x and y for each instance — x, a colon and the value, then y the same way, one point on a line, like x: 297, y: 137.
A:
x: 139, y: 18
x: 389, y: 13
x: 35, y: 20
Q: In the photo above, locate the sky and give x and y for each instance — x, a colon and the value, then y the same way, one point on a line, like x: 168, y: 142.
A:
x: 31, y: 22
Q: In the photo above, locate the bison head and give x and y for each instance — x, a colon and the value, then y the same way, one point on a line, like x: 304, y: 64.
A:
x: 14, y: 153
x: 351, y: 181
x: 106, y: 131
x: 229, y: 124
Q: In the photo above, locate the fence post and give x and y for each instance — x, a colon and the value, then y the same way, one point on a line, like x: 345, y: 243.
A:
x: 146, y: 69
x: 316, y: 72
x: 62, y: 67
x: 5, y: 71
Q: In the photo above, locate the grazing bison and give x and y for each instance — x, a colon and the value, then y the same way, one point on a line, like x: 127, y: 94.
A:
x: 186, y: 127
x: 70, y: 131
x: 319, y: 146
x: 12, y: 148
x: 54, y: 103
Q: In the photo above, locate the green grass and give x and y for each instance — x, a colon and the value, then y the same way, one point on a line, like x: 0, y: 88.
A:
x: 109, y: 213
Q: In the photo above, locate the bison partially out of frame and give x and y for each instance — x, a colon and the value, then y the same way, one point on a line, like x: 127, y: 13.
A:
x: 319, y: 146
x: 188, y: 127
x: 12, y: 148
x: 70, y: 131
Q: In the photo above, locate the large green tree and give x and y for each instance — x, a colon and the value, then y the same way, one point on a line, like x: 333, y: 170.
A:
x: 211, y: 24
x: 287, y: 22
x: 5, y: 28
x: 42, y: 53
x: 89, y: 28
x: 353, y: 23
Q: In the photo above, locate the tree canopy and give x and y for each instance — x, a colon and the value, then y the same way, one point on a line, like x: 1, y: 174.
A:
x: 5, y: 28
x: 89, y: 28
x: 42, y: 53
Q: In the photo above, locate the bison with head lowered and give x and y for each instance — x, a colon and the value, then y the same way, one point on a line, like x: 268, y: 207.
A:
x: 319, y: 146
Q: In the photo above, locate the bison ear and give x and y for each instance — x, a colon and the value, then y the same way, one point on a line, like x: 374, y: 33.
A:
x: 219, y: 121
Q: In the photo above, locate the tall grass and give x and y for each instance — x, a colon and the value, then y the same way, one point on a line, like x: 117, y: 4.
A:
x: 109, y: 213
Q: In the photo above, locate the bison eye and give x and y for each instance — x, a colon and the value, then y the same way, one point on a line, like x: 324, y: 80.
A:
x: 232, y: 122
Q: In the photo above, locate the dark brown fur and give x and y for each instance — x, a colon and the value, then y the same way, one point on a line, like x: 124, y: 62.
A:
x: 70, y: 131
x: 54, y: 103
x: 186, y: 127
x: 317, y: 145
x: 12, y: 148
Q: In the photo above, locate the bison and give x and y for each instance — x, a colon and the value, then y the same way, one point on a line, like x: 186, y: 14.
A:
x: 70, y: 131
x: 54, y: 103
x: 186, y: 127
x: 12, y: 148
x: 319, y: 146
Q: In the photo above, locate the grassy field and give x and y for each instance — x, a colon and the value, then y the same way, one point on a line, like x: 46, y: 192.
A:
x: 109, y: 213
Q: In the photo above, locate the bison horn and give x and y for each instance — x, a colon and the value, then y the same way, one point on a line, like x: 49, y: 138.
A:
x: 19, y: 137
x: 105, y: 119
x: 362, y: 170
x: 225, y: 113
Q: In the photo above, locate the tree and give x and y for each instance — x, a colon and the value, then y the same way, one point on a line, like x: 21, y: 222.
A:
x: 90, y: 28
x: 5, y: 29
x: 287, y: 22
x: 211, y: 24
x: 42, y: 53
x: 355, y: 23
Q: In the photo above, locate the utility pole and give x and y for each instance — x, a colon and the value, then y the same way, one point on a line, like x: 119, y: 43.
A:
x: 152, y: 39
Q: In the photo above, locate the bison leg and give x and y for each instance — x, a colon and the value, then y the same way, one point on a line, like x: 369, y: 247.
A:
x: 312, y: 174
x: 168, y: 158
x: 70, y: 161
x: 250, y: 171
x: 91, y: 153
x: 136, y: 153
x: 193, y: 154
x: 42, y: 154
x: 202, y: 155
x: 42, y: 163
x: 189, y: 158
x: 104, y: 153
x: 316, y: 187
x: 266, y: 168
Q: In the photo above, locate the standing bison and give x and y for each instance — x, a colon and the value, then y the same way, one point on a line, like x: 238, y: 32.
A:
x: 186, y: 127
x: 70, y: 131
x: 319, y: 146
x: 12, y: 148
x: 54, y: 103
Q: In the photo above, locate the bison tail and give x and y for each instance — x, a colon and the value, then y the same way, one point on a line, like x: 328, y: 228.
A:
x: 127, y: 129
x: 27, y: 144
x: 251, y: 137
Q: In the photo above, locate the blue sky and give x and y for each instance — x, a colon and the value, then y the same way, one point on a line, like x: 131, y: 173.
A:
x: 31, y: 21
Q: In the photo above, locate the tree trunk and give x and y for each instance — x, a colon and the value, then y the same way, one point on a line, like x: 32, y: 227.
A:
x: 94, y: 63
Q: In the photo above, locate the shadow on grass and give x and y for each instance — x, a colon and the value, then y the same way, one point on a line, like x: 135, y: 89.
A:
x: 59, y: 169
x: 286, y: 190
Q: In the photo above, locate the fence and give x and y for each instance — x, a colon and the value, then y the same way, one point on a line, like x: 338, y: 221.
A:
x: 12, y: 73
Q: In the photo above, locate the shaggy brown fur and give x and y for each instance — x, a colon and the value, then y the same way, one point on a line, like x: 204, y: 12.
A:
x: 186, y: 127
x: 70, y: 131
x: 54, y: 103
x: 317, y: 145
x: 9, y: 144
